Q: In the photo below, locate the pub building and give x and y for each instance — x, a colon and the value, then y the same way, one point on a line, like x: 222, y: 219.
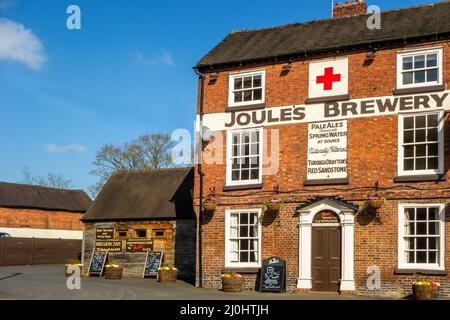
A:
x: 348, y: 127
x: 141, y: 211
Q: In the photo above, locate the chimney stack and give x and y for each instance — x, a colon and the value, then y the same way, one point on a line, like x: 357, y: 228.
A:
x: 350, y: 8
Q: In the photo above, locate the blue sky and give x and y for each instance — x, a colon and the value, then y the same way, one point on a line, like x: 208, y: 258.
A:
x: 127, y: 72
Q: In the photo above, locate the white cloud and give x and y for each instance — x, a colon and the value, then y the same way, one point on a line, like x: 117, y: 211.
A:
x: 164, y: 58
x: 53, y: 148
x: 19, y: 44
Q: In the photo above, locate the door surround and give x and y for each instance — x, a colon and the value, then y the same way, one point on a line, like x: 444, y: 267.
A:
x: 346, y: 213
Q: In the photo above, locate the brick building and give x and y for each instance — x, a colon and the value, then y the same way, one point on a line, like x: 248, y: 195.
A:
x: 140, y: 211
x: 38, y: 212
x: 325, y: 115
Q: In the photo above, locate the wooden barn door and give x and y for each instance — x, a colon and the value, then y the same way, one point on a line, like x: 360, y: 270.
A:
x: 326, y: 258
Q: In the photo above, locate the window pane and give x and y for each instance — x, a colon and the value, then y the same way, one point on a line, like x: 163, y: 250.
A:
x: 421, y: 257
x: 420, y: 135
x: 410, y: 229
x: 235, y: 175
x: 257, y: 94
x: 410, y: 256
x: 256, y: 81
x: 408, y: 123
x: 247, y: 82
x: 238, y: 97
x: 421, y: 228
x: 433, y: 243
x: 409, y: 151
x: 419, y: 77
x: 244, y: 256
x: 432, y: 134
x: 421, y: 214
x: 244, y: 244
x: 253, y: 231
x: 248, y: 95
x: 431, y: 60
x: 432, y: 75
x: 255, y: 136
x: 421, y: 243
x: 410, y: 214
x: 243, y: 218
x: 421, y: 164
x: 419, y: 62
x: 245, y: 175
x: 237, y: 83
x: 420, y: 122
x: 421, y: 150
x: 409, y: 164
x: 408, y: 136
x: 408, y: 77
x: 432, y: 120
x: 253, y: 257
x: 254, y: 174
x: 410, y: 243
x: 253, y: 218
x: 433, y: 163
x: 243, y: 231
x: 432, y: 257
x: 433, y: 214
x: 407, y: 63
x: 433, y: 149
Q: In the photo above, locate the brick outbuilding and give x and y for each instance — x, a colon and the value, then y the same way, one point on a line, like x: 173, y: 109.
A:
x: 325, y: 116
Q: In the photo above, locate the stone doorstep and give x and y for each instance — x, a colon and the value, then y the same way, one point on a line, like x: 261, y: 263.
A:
x: 342, y: 293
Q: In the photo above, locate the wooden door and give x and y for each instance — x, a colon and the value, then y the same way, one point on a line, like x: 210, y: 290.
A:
x: 326, y: 258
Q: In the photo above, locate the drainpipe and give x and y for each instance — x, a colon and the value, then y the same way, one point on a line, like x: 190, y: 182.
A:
x: 201, y: 76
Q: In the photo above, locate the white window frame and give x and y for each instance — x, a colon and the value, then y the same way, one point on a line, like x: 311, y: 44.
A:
x: 400, y: 159
x: 229, y: 163
x: 228, y: 263
x: 233, y: 76
x: 402, y: 264
x: 440, y: 65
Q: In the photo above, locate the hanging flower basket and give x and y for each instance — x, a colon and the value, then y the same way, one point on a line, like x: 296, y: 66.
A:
x: 210, y: 204
x: 113, y: 271
x: 232, y: 282
x: 275, y: 204
x: 376, y: 202
x: 167, y: 274
x: 425, y: 290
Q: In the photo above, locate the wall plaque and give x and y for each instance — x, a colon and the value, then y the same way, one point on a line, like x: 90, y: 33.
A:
x: 327, y: 150
x: 111, y: 246
x: 139, y: 245
x: 105, y: 233
x: 326, y: 217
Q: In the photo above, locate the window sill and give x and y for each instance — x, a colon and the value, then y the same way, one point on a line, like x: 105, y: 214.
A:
x: 243, y: 187
x: 256, y: 106
x: 419, y: 90
x: 343, y: 97
x: 421, y: 272
x: 243, y: 270
x: 421, y: 178
x: 326, y: 182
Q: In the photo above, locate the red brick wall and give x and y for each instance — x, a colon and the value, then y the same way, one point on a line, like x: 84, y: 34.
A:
x: 349, y: 8
x: 372, y: 157
x: 40, y: 219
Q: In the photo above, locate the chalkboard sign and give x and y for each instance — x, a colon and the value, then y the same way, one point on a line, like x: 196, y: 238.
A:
x: 272, y: 275
x: 152, y: 263
x: 98, y: 261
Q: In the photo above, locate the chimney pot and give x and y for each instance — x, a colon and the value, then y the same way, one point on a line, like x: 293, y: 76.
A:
x: 351, y: 8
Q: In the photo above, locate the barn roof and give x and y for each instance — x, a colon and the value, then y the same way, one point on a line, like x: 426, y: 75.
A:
x: 328, y: 35
x: 13, y: 195
x: 145, y: 195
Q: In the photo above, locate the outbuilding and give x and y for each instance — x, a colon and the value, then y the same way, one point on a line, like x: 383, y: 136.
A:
x: 141, y: 211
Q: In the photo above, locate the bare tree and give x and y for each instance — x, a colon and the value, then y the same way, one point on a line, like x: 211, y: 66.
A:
x: 150, y: 151
x: 51, y: 180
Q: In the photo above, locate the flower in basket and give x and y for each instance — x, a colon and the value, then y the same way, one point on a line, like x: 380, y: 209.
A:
x: 231, y: 275
x: 210, y: 199
x: 426, y: 283
x: 376, y: 201
x: 167, y: 267
x: 210, y: 203
x: 114, y: 265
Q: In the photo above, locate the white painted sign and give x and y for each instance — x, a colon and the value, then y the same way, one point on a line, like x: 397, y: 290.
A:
x: 328, y: 78
x: 330, y: 111
x: 327, y: 150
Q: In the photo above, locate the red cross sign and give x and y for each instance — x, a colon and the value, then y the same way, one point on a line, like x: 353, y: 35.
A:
x: 328, y: 79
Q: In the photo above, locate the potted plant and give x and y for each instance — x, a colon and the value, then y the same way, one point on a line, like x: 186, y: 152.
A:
x: 425, y: 289
x: 74, y: 264
x: 232, y: 282
x: 210, y: 203
x: 375, y: 201
x: 167, y: 273
x: 275, y: 204
x: 113, y: 271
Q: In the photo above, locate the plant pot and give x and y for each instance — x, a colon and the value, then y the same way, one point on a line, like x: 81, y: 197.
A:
x: 167, y: 276
x: 68, y: 274
x: 425, y: 292
x: 273, y: 206
x: 113, y: 273
x: 209, y: 206
x: 376, y: 204
x: 232, y: 284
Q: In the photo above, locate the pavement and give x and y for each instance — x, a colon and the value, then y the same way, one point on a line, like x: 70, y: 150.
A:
x: 47, y: 282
